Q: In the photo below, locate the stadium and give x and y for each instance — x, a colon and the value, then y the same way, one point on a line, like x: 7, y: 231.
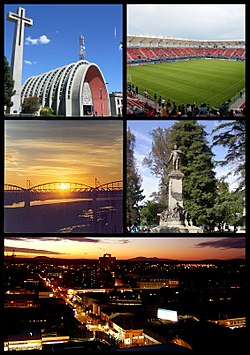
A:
x: 185, y: 77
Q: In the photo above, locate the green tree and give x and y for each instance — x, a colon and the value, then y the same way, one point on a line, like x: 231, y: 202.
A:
x: 134, y: 191
x: 221, y: 204
x: 155, y: 161
x: 8, y: 84
x: 199, y: 183
x: 149, y: 213
x: 232, y: 135
x: 236, y: 207
x: 30, y: 105
x: 46, y: 111
x: 228, y: 208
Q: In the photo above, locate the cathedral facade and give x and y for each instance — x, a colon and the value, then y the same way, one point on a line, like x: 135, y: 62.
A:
x: 76, y: 89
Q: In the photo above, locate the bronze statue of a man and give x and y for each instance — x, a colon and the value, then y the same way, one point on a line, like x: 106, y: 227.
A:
x: 175, y: 156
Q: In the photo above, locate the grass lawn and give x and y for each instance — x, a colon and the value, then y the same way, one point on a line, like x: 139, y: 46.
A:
x: 207, y: 81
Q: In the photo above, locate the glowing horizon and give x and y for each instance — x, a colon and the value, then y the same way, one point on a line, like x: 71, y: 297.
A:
x: 63, y: 151
x: 192, y: 249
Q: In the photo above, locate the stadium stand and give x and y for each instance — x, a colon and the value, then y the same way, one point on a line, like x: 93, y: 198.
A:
x: 146, y: 49
x: 154, y: 53
x: 139, y: 105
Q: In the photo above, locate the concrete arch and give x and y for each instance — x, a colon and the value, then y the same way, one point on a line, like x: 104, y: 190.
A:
x: 62, y: 89
x: 100, y: 96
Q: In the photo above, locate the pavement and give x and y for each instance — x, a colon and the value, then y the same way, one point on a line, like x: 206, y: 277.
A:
x: 235, y: 105
x: 149, y: 101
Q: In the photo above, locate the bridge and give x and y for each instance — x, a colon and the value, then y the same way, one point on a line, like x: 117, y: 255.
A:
x: 61, y: 190
x: 68, y: 206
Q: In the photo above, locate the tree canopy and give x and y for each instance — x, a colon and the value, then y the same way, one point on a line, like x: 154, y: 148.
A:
x: 232, y: 135
x: 46, y: 111
x: 228, y: 207
x: 8, y: 84
x: 30, y: 105
x: 160, y: 150
x: 134, y: 191
x: 149, y: 213
x: 199, y: 183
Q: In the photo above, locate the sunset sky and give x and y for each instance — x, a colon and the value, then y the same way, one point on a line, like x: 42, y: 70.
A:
x: 126, y: 248
x: 63, y: 151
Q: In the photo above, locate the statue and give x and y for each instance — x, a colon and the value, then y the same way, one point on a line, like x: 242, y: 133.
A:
x: 175, y: 156
x: 175, y: 218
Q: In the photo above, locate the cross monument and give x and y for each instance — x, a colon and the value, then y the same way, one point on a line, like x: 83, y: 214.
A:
x: 17, y: 54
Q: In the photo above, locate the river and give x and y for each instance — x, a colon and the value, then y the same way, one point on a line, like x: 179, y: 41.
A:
x: 70, y: 216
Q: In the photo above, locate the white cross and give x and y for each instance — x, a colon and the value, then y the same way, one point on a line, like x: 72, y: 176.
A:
x: 20, y: 20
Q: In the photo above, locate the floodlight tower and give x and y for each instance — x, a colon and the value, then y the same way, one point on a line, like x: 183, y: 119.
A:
x: 82, y: 47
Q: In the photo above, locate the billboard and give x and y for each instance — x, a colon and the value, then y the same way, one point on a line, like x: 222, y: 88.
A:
x: 166, y: 314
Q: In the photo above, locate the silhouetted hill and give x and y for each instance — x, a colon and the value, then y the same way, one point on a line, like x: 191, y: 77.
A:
x: 143, y: 258
x: 154, y: 259
x: 204, y: 261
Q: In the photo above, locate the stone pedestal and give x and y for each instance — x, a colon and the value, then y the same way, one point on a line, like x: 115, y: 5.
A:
x: 175, y: 219
x: 175, y: 189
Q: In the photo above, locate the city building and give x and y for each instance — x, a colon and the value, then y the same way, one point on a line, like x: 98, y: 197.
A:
x: 231, y: 323
x: 107, y: 275
x: 208, y: 298
x: 24, y: 340
x: 107, y: 262
x: 21, y: 300
x: 116, y: 103
x: 156, y: 283
x: 124, y: 330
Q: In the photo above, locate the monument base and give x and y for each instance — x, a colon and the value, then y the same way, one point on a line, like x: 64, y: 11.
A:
x: 169, y: 229
x: 176, y: 229
x: 175, y: 219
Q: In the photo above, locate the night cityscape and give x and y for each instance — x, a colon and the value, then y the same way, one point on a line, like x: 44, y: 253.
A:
x: 139, y: 303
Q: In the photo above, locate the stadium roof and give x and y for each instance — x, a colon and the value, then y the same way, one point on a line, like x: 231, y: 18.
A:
x: 140, y: 40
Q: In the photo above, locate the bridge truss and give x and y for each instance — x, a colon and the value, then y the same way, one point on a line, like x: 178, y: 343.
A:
x: 66, y: 187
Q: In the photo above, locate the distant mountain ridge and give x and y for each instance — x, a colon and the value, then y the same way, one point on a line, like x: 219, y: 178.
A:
x: 154, y: 258
x: 136, y: 259
x: 201, y: 261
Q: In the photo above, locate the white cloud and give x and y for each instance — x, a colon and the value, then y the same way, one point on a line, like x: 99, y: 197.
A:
x: 188, y: 21
x: 44, y: 39
x: 29, y: 62
x: 32, y: 41
x: 139, y: 158
x: 149, y: 185
x: 142, y: 136
x: 36, y: 41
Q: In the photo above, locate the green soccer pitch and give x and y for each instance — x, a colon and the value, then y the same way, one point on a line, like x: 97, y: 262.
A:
x: 209, y: 81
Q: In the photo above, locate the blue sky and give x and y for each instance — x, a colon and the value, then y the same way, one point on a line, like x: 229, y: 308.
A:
x: 53, y: 40
x: 141, y: 131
